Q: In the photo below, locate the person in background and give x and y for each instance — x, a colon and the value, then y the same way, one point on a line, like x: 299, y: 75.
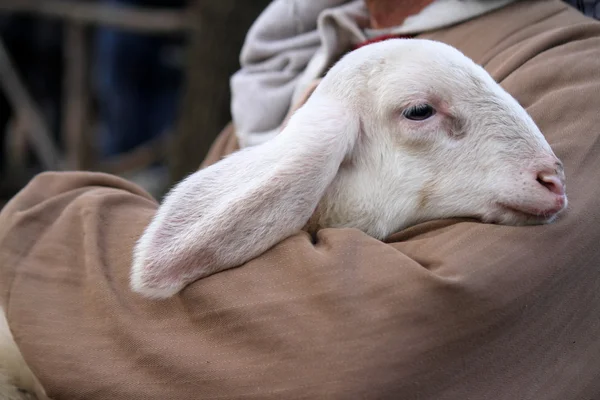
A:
x: 138, y: 81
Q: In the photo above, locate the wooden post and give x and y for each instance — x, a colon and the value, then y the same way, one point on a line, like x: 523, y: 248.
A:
x: 213, y: 56
x: 76, y: 98
x: 27, y: 112
x: 77, y: 16
x: 138, y: 19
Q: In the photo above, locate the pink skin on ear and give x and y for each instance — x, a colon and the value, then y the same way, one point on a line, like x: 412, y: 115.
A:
x: 236, y: 209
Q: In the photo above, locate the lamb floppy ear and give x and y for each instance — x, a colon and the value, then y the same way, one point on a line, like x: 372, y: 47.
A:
x: 236, y: 209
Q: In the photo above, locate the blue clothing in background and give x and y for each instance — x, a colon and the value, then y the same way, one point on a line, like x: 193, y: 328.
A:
x: 591, y: 8
x: 138, y: 81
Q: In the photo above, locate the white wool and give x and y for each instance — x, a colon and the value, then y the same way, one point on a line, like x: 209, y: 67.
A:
x: 14, y: 372
x: 350, y: 158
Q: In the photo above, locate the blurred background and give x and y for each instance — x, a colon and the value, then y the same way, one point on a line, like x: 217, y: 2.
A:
x: 137, y: 88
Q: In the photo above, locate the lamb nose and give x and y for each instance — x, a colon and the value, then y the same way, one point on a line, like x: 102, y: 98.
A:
x: 552, y: 182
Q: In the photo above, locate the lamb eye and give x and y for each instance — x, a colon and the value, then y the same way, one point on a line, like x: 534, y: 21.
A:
x: 419, y: 112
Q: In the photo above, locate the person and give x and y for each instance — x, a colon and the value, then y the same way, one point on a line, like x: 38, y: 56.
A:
x: 447, y: 309
x: 138, y: 80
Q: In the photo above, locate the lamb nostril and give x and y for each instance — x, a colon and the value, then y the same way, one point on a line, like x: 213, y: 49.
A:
x: 560, y: 166
x: 552, y: 182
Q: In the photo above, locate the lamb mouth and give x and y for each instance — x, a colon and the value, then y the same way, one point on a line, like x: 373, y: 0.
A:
x: 533, y: 215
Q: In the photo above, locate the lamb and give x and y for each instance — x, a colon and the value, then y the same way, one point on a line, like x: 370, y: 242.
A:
x: 17, y: 381
x: 398, y: 132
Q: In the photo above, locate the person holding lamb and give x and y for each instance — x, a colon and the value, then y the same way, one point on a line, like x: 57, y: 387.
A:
x: 440, y: 308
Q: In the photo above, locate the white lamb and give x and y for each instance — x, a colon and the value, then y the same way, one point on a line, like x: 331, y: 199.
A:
x: 397, y: 133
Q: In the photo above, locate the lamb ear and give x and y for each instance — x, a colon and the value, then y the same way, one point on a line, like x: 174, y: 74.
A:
x: 236, y: 209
